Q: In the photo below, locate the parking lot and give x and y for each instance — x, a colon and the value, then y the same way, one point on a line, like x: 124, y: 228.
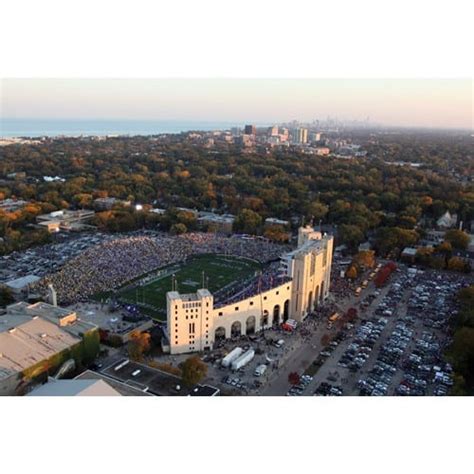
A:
x: 394, y: 347
x: 49, y: 258
x: 397, y: 347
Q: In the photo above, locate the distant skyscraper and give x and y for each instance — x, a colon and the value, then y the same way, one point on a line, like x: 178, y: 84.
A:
x: 250, y: 130
x: 236, y: 131
x: 300, y: 135
x: 273, y: 131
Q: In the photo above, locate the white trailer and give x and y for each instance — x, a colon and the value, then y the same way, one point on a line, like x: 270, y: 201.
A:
x: 231, y: 356
x: 244, y: 359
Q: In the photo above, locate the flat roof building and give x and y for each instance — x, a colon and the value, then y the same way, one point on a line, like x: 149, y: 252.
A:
x: 36, y: 339
x: 222, y: 223
x: 274, y: 221
x: 122, y: 388
x: 75, y: 388
x: 12, y: 204
x: 21, y: 284
x: 65, y: 219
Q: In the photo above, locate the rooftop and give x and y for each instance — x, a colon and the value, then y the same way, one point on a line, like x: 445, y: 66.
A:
x: 21, y: 282
x: 63, y: 317
x: 204, y: 391
x: 121, y: 387
x: 310, y: 245
x: 65, y: 215
x: 67, y: 388
x: 152, y: 380
x: 26, y: 341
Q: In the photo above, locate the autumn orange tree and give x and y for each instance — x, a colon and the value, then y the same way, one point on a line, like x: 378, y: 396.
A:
x: 276, y: 233
x: 138, y: 344
x: 351, y: 272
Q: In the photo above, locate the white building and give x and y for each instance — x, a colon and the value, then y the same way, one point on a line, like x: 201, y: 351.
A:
x: 447, y: 221
x: 195, y: 320
x: 300, y: 135
x: 275, y: 221
x: 22, y: 284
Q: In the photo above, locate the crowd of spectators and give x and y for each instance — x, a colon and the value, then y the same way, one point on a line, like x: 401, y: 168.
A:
x: 110, y: 265
x: 270, y: 278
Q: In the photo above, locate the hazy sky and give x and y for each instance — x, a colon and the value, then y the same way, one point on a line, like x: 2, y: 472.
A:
x: 406, y: 102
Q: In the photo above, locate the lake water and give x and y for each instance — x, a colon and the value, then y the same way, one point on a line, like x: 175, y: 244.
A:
x: 69, y: 127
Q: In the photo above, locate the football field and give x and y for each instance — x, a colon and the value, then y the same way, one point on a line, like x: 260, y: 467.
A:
x: 219, y: 271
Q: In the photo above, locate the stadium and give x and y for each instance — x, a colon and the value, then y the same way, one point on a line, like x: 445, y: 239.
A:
x: 135, y: 271
x: 219, y: 273
x: 288, y: 289
x: 204, y: 286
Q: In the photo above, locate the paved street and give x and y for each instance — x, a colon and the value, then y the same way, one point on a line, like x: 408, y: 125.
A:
x: 309, y: 351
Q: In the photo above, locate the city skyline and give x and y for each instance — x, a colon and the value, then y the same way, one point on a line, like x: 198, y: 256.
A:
x: 431, y: 103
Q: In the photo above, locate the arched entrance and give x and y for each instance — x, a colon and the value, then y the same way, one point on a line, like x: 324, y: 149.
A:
x: 286, y: 310
x: 250, y: 325
x: 316, y: 297
x: 264, y: 320
x: 219, y: 334
x: 276, y: 314
x: 236, y: 329
x: 310, y: 302
x: 321, y: 297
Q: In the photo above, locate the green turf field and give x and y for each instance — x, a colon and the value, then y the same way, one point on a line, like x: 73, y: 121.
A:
x: 219, y: 272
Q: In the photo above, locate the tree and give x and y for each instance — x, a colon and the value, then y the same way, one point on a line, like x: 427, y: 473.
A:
x: 187, y: 218
x: 294, y: 378
x: 276, y: 233
x: 351, y: 314
x: 466, y: 297
x: 458, y: 238
x: 138, y: 344
x: 394, y: 238
x: 364, y: 258
x: 248, y: 222
x: 445, y: 248
x: 461, y: 353
x: 325, y: 339
x: 351, y: 235
x: 317, y: 210
x: 457, y: 264
x: 193, y: 370
x: 178, y: 229
x: 6, y: 296
x: 351, y: 272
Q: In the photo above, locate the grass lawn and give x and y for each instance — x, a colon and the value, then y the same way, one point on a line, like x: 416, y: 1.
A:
x: 219, y: 271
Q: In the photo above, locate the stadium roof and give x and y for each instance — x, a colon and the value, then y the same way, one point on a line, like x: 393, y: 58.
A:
x: 67, y: 388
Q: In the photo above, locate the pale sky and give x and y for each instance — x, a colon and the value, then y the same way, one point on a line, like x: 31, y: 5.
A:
x: 405, y: 102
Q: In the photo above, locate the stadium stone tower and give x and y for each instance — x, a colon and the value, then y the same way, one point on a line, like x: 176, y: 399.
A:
x: 195, y: 321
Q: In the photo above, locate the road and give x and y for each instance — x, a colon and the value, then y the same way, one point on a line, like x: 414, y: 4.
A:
x: 302, y: 357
